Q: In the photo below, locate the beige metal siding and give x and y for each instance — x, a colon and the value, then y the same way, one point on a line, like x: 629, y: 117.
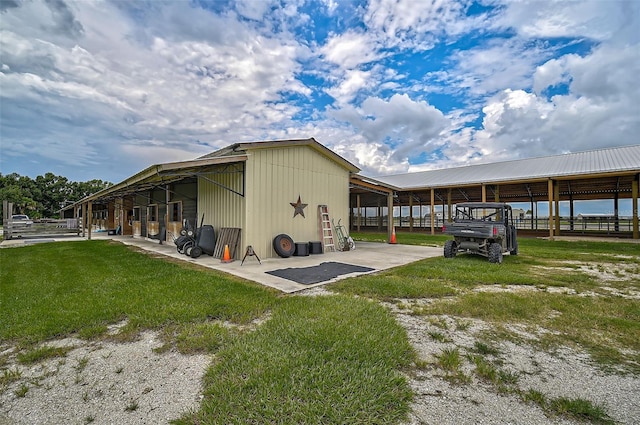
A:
x: 221, y: 207
x: 275, y: 178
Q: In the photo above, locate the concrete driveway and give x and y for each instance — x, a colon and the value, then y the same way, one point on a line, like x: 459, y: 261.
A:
x: 377, y: 256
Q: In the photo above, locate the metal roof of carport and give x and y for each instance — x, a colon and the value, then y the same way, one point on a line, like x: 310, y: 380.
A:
x: 162, y: 174
x: 589, y: 163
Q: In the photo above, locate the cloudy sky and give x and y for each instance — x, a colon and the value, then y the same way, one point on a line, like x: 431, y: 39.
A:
x: 103, y: 89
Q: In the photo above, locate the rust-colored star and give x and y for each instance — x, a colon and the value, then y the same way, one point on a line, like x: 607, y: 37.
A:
x: 299, y: 206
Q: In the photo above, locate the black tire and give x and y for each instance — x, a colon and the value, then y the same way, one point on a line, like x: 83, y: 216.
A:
x: 450, y: 249
x: 283, y: 245
x: 495, y: 253
x: 196, y: 251
x: 514, y: 241
x: 186, y: 248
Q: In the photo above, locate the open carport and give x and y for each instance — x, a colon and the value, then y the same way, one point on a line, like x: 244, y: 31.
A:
x: 545, y: 183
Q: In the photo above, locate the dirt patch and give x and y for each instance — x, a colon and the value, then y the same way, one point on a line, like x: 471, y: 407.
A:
x: 565, y: 373
x: 104, y: 382
x: 604, y: 271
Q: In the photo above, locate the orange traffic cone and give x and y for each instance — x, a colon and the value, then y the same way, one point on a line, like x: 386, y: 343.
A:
x: 393, y: 236
x: 226, y: 258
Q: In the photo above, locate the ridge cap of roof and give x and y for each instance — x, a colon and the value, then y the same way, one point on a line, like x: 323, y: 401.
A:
x: 242, y: 147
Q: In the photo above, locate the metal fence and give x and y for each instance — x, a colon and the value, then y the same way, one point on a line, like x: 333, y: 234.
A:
x: 604, y: 224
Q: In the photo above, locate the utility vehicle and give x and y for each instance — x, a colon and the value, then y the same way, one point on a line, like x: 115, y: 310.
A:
x: 483, y: 228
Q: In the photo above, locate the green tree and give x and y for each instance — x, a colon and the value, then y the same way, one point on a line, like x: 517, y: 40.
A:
x: 83, y: 189
x: 46, y: 195
x: 22, y: 192
x: 53, y: 191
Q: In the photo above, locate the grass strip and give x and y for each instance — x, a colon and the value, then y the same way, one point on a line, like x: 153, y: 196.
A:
x: 321, y: 360
x: 574, y: 408
x: 42, y: 353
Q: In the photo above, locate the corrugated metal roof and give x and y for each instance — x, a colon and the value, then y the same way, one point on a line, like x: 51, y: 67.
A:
x: 620, y: 159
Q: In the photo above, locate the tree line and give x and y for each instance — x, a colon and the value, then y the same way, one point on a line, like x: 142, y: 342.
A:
x: 44, y: 196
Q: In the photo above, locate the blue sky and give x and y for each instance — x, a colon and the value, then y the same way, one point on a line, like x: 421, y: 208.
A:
x: 103, y: 89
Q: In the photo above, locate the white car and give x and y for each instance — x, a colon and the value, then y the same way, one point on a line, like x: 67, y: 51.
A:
x: 21, y: 220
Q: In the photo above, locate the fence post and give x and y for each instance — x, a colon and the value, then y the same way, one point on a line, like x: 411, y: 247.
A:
x: 7, y: 223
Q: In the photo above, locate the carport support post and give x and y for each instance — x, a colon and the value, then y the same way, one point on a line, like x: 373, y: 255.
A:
x: 550, y: 193
x: 616, y: 210
x: 84, y: 218
x: 484, y: 193
x: 411, y: 212
x: 432, y: 211
x: 89, y: 217
x: 359, y: 215
x: 389, y: 216
x: 634, y: 202
x: 76, y: 215
x: 166, y: 215
x: 449, y: 205
x: 556, y: 198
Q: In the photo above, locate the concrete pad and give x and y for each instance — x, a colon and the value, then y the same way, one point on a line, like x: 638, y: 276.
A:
x: 378, y: 256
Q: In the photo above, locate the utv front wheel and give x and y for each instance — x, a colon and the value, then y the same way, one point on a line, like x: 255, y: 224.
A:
x: 450, y: 249
x: 495, y: 253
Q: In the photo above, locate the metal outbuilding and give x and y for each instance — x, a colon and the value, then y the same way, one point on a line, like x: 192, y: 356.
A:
x: 254, y: 187
x: 592, y: 175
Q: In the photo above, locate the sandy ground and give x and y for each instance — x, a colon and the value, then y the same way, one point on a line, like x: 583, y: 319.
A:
x: 105, y: 383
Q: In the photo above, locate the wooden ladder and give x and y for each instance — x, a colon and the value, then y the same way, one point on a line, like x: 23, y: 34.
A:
x: 325, y: 228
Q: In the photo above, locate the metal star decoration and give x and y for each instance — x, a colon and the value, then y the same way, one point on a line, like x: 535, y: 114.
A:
x: 299, y: 206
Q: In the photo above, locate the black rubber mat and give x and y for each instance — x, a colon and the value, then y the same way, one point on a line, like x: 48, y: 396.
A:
x: 320, y: 273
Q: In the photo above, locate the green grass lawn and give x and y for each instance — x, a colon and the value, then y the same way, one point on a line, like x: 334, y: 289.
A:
x: 335, y: 359
x: 326, y: 360
x: 314, y: 360
x: 55, y: 289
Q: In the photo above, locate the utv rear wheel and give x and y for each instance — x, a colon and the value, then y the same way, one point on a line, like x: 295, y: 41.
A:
x: 450, y: 249
x: 495, y: 253
x: 514, y: 251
